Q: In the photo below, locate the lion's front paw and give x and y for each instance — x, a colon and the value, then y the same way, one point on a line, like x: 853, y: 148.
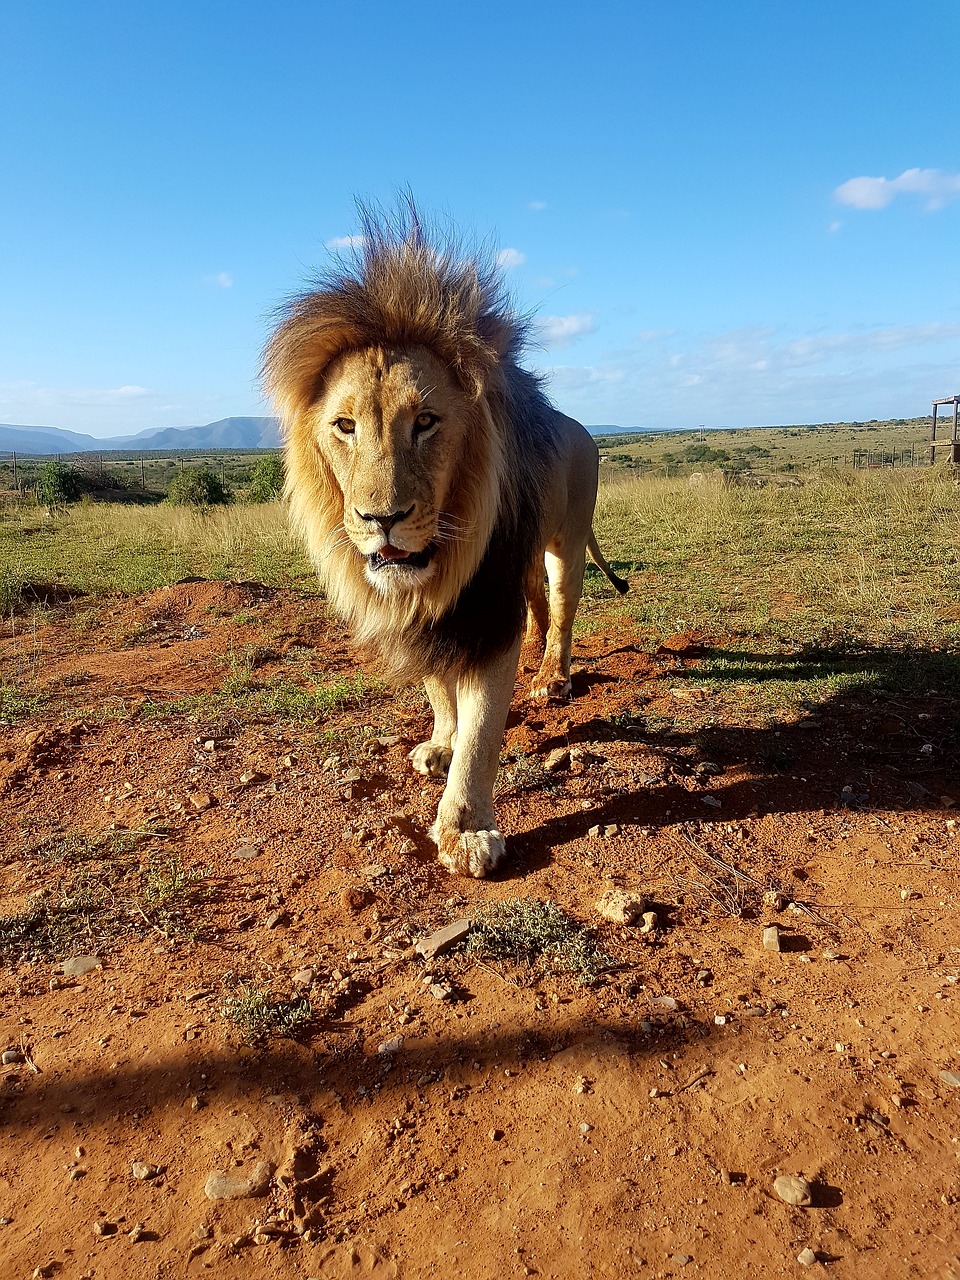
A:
x: 431, y: 758
x: 559, y: 690
x: 470, y: 853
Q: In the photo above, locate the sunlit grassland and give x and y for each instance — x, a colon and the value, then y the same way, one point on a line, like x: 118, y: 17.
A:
x: 101, y: 548
x: 868, y: 558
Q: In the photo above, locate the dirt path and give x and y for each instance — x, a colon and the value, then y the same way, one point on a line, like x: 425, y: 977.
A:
x: 466, y: 1116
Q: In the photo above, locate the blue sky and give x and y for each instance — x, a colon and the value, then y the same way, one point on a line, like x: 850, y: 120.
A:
x: 723, y: 213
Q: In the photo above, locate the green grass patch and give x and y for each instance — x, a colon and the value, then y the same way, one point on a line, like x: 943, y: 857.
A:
x: 535, y: 934
x: 258, y: 1014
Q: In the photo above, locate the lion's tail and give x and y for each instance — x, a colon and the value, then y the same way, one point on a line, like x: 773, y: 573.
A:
x: 596, y: 555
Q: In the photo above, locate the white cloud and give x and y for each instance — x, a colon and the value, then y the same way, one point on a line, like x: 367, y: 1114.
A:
x: 222, y: 279
x: 561, y: 331
x: 537, y: 206
x: 346, y: 242
x: 938, y: 187
x: 834, y: 226
x: 507, y: 259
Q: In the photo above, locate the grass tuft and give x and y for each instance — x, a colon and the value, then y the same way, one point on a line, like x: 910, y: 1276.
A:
x: 258, y: 1015
x: 529, y: 932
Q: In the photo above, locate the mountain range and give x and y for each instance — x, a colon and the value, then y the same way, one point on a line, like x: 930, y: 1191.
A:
x: 228, y: 433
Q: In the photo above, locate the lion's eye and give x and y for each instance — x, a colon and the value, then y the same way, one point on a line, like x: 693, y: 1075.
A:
x: 424, y: 421
x: 346, y: 426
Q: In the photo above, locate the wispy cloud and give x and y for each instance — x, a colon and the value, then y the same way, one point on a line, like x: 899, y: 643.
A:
x: 937, y: 187
x: 537, y: 206
x: 507, y: 259
x: 561, y: 331
x: 31, y: 395
x: 346, y: 242
x: 222, y: 279
x: 760, y: 374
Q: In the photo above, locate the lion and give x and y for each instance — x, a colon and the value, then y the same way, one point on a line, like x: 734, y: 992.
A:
x: 433, y: 484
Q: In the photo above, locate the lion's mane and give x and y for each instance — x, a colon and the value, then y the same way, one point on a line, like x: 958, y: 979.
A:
x: 405, y: 289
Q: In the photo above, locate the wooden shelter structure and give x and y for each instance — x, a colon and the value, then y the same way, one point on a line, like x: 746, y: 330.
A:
x: 954, y: 440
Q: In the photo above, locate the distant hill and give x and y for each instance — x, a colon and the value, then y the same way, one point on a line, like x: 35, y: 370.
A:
x: 228, y: 433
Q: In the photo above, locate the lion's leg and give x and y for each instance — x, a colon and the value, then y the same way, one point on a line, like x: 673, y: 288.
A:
x: 433, y: 757
x: 565, y: 565
x: 465, y: 831
x: 538, y: 618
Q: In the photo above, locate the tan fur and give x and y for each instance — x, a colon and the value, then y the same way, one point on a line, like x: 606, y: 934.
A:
x: 431, y: 481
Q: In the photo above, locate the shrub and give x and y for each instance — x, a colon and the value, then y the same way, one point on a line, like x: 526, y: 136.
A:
x: 57, y: 484
x: 197, y: 487
x: 266, y: 481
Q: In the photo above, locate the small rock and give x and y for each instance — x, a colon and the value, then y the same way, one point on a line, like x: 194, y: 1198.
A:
x: 77, y: 966
x: 611, y: 829
x: 144, y: 1172
x: 435, y: 944
x: 668, y: 1003
x: 585, y: 1128
x: 388, y: 739
x: 771, y: 938
x: 704, y: 977
x: 775, y: 900
x: 199, y: 801
x: 374, y: 871
x: 275, y: 919
x: 806, y: 1257
x: 203, y: 1232
x: 137, y: 1233
x: 794, y: 1190
x: 441, y: 991
x: 351, y: 775
x: 248, y: 851
x: 393, y: 1045
x: 596, y: 832
x: 620, y: 907
x: 236, y: 1185
x: 495, y: 1135
x: 951, y: 1078
x: 649, y: 922
x: 101, y: 1228
x: 559, y: 758
x: 252, y: 777
x: 714, y: 803
x: 303, y: 977
x: 681, y: 1259
x: 10, y: 1057
x: 832, y: 955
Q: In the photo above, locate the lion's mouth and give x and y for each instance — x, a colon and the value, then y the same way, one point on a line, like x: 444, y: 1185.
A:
x: 389, y: 557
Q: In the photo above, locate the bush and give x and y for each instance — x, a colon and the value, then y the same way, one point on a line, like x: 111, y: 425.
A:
x: 266, y: 481
x: 196, y: 487
x: 57, y: 484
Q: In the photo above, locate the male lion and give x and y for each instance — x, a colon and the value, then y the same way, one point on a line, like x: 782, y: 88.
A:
x: 431, y: 480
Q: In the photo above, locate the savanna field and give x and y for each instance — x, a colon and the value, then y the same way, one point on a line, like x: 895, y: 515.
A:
x: 703, y: 1024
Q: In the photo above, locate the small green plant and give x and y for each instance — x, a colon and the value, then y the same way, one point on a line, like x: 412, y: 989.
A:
x: 15, y: 704
x: 166, y: 889
x: 258, y: 1015
x: 266, y: 482
x: 529, y: 932
x: 197, y: 487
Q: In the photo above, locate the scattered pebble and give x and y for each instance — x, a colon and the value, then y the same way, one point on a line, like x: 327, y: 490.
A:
x: 101, y: 1228
x: 137, y: 1233
x: 681, y: 1259
x: 806, y: 1257
x: 393, y: 1045
x: 236, y: 1185
x: 556, y: 759
x: 951, y: 1078
x: 275, y: 919
x: 77, y: 966
x: 495, y: 1135
x: 199, y: 801
x: 441, y: 990
x: 252, y: 777
x: 144, y: 1172
x: 10, y: 1057
x: 714, y: 803
x: 832, y: 955
x: 303, y: 977
x: 775, y: 900
x: 586, y: 1128
x: 248, y: 851
x: 649, y: 922
x: 705, y: 977
x: 620, y: 907
x: 794, y: 1190
x: 771, y: 938
x: 441, y: 940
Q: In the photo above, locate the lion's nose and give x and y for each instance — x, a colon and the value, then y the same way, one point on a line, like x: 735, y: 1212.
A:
x: 386, y: 523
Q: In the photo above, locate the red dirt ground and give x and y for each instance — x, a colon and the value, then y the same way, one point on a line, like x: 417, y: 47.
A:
x: 530, y: 1126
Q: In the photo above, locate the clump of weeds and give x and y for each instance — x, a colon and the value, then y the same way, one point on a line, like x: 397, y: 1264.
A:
x: 526, y: 931
x: 258, y: 1014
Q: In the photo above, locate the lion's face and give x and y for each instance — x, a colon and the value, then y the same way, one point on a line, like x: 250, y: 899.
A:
x: 391, y: 423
